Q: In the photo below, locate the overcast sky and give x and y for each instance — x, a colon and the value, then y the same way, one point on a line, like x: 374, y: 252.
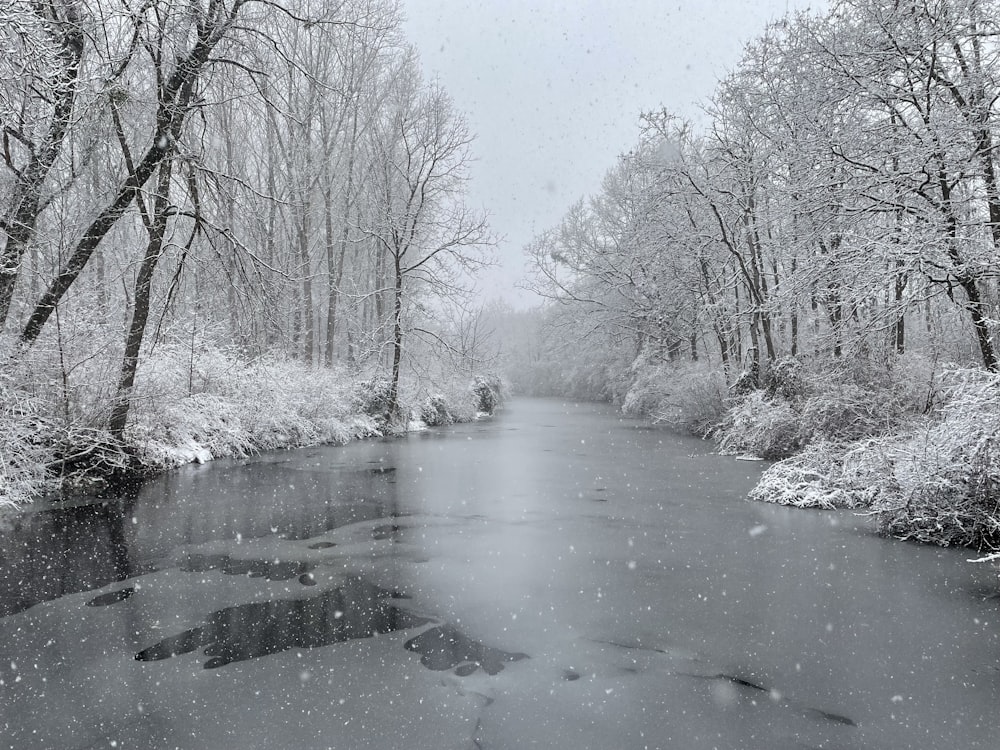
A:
x: 553, y: 91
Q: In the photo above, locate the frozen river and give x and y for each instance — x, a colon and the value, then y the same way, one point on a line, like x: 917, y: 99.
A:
x: 555, y: 577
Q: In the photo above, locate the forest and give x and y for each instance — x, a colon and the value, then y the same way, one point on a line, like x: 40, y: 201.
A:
x: 236, y: 225
x: 227, y: 226
x: 808, y: 275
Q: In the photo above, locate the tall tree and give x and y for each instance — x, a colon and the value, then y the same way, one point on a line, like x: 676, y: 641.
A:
x: 43, y: 49
x: 419, y: 221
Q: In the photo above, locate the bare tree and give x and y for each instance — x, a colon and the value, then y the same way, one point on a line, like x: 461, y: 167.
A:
x: 182, y: 40
x: 45, y: 42
x: 420, y: 223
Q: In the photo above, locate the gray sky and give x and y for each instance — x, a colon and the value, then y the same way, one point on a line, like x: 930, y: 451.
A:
x: 553, y: 91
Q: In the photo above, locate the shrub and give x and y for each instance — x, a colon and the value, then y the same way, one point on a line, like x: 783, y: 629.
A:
x: 250, y: 407
x: 760, y: 427
x: 786, y: 379
x: 848, y: 412
x: 798, y: 408
x: 488, y: 391
x: 24, y: 456
x: 688, y: 396
x: 434, y: 412
x: 649, y: 391
x: 948, y: 474
x: 824, y: 475
x: 372, y: 396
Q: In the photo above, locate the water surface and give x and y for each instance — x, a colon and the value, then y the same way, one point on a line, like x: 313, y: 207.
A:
x: 555, y: 577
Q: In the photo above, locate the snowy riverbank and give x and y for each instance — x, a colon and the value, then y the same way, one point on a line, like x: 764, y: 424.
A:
x: 915, y: 443
x: 213, y: 405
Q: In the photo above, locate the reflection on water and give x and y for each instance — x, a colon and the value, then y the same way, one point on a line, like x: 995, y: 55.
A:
x: 356, y: 609
x: 64, y: 550
x: 51, y: 553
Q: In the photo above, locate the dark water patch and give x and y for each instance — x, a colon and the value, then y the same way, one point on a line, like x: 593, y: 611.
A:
x: 335, y: 515
x: 444, y: 647
x: 357, y: 609
x: 322, y: 545
x: 272, y: 570
x: 112, y: 597
x: 813, y: 713
x: 182, y: 643
x: 816, y: 713
x: 387, y: 531
x: 639, y: 647
x: 984, y: 591
x: 734, y: 679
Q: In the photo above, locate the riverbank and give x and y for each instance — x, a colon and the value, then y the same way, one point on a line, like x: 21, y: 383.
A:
x: 189, y: 409
x: 914, y: 443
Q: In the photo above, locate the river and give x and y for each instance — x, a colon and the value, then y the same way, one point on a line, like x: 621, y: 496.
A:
x: 553, y: 577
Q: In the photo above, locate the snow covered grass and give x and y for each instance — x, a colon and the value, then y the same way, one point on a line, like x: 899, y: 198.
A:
x: 214, y: 406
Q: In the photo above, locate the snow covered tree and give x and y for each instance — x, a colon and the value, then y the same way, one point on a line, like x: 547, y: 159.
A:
x: 421, y: 226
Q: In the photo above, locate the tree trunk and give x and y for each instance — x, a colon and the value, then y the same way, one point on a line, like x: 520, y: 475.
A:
x: 140, y: 310
x: 899, y: 329
x: 393, y: 415
x: 336, y: 269
x: 305, y: 291
x: 967, y: 280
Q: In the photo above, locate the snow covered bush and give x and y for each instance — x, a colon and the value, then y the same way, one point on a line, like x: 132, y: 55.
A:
x: 824, y: 475
x: 846, y: 412
x: 455, y: 399
x: 938, y: 482
x: 786, y: 379
x: 648, y: 391
x: 434, y: 412
x: 946, y: 476
x: 198, y: 427
x: 919, y: 382
x: 801, y: 406
x: 488, y: 392
x: 759, y: 426
x: 213, y: 405
x: 371, y: 397
x: 685, y: 395
x: 24, y: 457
